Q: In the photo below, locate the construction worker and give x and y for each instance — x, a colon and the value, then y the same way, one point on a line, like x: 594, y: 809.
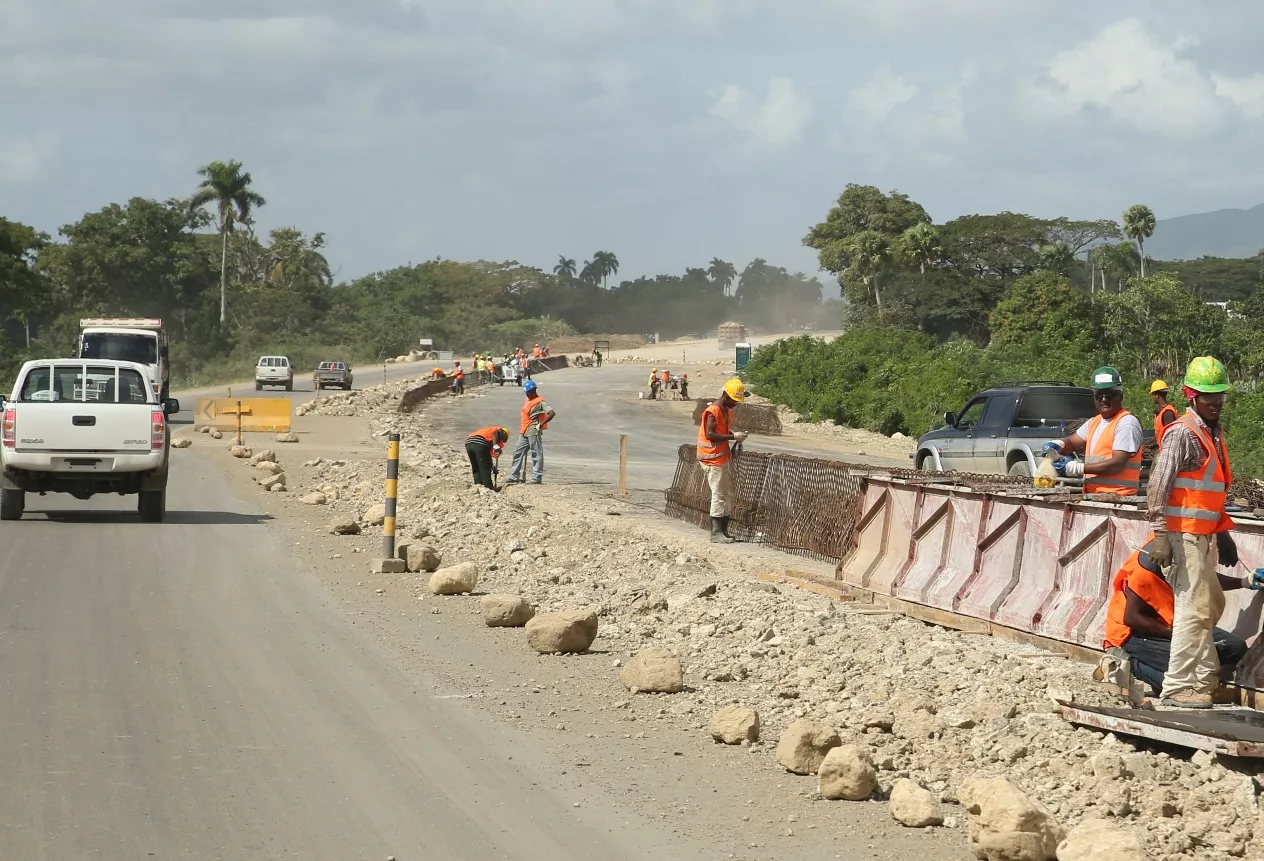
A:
x: 1110, y: 440
x: 1164, y: 414
x: 715, y: 455
x: 536, y: 415
x: 653, y: 383
x: 684, y: 386
x: 458, y: 379
x: 1185, y: 503
x: 484, y: 448
x: 597, y: 356
x: 438, y: 374
x: 535, y: 351
x: 1139, y: 620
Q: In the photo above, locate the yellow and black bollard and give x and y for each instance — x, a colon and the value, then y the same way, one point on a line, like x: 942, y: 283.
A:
x: 388, y: 564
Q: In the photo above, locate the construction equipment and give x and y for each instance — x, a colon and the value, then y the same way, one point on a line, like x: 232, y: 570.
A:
x: 730, y: 334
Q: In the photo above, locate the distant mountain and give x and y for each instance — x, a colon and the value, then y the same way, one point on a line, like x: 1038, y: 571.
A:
x: 1223, y: 233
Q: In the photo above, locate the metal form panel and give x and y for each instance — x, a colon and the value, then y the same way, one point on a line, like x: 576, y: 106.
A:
x: 1233, y: 732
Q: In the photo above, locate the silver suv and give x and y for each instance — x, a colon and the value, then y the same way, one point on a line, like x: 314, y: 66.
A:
x: 274, y: 371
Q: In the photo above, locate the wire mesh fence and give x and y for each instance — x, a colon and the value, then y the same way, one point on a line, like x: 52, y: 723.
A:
x: 757, y: 418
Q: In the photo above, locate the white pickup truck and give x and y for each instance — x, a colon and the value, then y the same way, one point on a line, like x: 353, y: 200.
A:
x: 84, y: 427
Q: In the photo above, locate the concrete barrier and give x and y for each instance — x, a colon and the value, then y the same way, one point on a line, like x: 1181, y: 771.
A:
x: 258, y: 415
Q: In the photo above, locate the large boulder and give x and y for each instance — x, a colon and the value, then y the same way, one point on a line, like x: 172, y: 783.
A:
x: 803, y: 745
x: 654, y: 670
x: 287, y: 437
x: 1100, y: 840
x: 273, y: 482
x: 506, y: 611
x: 268, y: 467
x: 734, y: 725
x: 266, y: 455
x: 455, y: 579
x: 216, y: 433
x: 913, y: 806
x: 418, y: 557
x: 316, y: 498
x: 344, y: 527
x: 1007, y: 825
x: 374, y: 515
x: 182, y: 442
x: 847, y: 773
x: 567, y: 631
x: 239, y: 451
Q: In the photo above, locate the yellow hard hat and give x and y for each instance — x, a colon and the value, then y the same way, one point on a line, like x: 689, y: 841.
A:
x: 1158, y: 386
x: 736, y: 390
x: 653, y: 369
x: 504, y: 432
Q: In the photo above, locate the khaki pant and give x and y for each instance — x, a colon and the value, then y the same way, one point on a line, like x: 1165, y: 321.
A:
x: 1194, y: 666
x: 720, y: 480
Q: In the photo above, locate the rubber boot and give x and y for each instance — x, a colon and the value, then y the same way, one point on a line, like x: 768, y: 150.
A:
x: 717, y: 532
x: 724, y: 527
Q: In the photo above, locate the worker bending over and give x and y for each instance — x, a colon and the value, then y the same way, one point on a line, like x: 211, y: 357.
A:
x: 1110, y: 440
x: 1140, y: 614
x: 1186, y: 506
x: 1164, y: 413
x: 536, y: 415
x: 715, y: 456
x: 484, y: 448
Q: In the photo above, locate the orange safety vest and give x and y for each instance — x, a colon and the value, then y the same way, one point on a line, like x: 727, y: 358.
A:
x: 1127, y: 481
x: 1147, y: 586
x: 525, y: 412
x: 709, y: 453
x: 1197, y: 501
x: 1159, y: 427
x: 665, y: 376
x: 460, y: 374
x: 487, y: 435
x: 535, y: 352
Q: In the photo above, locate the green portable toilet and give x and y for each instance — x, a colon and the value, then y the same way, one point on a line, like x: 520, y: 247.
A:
x: 743, y: 356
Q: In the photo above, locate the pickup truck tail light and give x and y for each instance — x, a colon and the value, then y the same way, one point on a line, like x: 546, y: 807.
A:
x: 158, y: 436
x: 8, y: 431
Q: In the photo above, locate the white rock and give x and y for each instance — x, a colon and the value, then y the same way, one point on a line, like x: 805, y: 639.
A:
x: 315, y: 498
x: 269, y: 467
x: 1007, y: 825
x: 217, y: 434
x: 803, y: 745
x: 567, y: 631
x: 913, y: 806
x: 418, y: 557
x: 734, y: 725
x: 506, y: 611
x: 654, y: 670
x: 847, y: 773
x: 266, y: 455
x: 239, y: 451
x: 375, y: 515
x: 269, y: 482
x: 454, y: 580
x: 344, y: 527
x: 287, y: 437
x: 182, y: 442
x: 1101, y: 840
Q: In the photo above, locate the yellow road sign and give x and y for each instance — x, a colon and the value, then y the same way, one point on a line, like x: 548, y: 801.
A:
x: 257, y: 414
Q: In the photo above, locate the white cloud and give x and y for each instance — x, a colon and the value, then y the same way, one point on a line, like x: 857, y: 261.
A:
x: 1246, y: 93
x: 26, y: 159
x: 778, y: 121
x: 1128, y: 73
x: 880, y: 95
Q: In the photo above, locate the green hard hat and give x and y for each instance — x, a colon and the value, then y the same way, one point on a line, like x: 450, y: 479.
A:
x: 1106, y: 378
x: 1208, y: 375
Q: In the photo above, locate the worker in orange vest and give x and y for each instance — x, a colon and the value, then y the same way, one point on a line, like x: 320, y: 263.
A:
x: 536, y: 415
x: 715, y: 456
x: 1139, y: 620
x: 484, y: 448
x: 1186, y: 505
x: 1165, y: 413
x: 458, y: 379
x: 1110, y: 440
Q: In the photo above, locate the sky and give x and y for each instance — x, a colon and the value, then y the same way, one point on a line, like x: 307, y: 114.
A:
x: 667, y: 131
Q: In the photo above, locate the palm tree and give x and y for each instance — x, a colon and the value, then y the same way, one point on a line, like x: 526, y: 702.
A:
x: 723, y: 273
x: 920, y: 243
x: 1058, y: 258
x: 591, y: 273
x: 565, y: 267
x: 225, y: 185
x: 607, y: 264
x: 1139, y: 225
x: 870, y: 253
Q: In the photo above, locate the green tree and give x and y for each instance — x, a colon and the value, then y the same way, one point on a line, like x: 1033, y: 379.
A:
x: 1139, y: 223
x: 920, y: 245
x: 605, y: 264
x: 565, y: 267
x: 870, y: 255
x: 22, y: 291
x: 860, y: 209
x: 227, y: 187
x: 1045, y: 304
x: 723, y: 273
x: 1156, y: 326
x: 1057, y: 258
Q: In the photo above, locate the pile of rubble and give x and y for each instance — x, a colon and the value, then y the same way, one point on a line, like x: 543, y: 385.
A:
x: 873, y: 703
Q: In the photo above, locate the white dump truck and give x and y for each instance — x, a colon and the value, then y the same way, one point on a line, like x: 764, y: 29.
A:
x: 129, y: 339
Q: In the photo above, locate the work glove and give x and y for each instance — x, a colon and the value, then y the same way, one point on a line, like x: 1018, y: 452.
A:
x: 1161, y: 550
x: 1226, y: 549
x: 1051, y: 449
x: 1060, y: 464
x: 740, y: 436
x: 1074, y: 468
x: 1254, y: 580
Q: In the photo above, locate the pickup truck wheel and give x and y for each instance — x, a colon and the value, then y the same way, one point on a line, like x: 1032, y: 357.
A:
x: 289, y: 387
x: 152, y: 505
x: 1021, y: 468
x: 258, y: 386
x: 12, y: 504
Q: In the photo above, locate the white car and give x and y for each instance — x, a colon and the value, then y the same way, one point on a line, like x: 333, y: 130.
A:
x: 83, y: 427
x: 274, y: 371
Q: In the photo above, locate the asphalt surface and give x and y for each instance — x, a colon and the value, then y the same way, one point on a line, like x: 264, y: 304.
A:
x: 186, y: 690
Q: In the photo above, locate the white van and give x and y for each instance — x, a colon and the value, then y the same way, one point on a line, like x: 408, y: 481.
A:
x: 274, y: 371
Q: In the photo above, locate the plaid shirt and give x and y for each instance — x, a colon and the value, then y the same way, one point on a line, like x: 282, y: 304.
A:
x: 1181, y: 452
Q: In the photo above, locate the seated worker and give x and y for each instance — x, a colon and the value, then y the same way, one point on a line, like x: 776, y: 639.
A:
x: 1139, y: 619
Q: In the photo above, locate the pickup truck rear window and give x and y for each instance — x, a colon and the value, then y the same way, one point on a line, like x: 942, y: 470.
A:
x: 1051, y: 408
x: 84, y: 383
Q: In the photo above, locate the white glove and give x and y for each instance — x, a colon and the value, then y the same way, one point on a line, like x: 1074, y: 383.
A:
x: 740, y: 436
x: 1075, y: 469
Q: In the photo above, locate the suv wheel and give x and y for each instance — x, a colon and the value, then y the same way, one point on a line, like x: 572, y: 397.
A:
x: 12, y: 504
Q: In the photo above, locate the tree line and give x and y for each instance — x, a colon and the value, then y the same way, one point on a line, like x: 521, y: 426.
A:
x: 939, y: 312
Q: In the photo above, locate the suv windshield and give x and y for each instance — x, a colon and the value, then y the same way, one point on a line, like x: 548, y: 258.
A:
x: 120, y: 347
x: 1040, y: 407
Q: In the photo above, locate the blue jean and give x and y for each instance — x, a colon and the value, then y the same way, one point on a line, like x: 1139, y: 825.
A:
x: 1150, y: 655
x: 535, y: 444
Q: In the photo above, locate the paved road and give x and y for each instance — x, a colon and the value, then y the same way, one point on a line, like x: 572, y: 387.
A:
x: 185, y: 690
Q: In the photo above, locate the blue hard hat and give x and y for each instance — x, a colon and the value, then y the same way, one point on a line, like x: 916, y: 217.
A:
x: 528, y: 386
